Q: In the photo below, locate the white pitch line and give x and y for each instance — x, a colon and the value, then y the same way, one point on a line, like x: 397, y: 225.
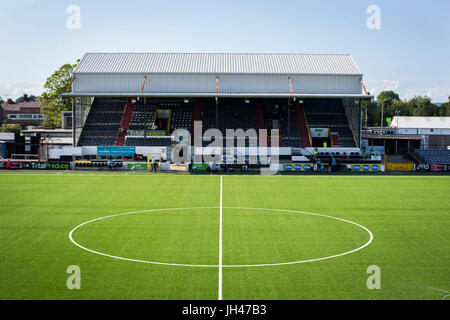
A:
x: 215, y: 265
x: 220, y: 243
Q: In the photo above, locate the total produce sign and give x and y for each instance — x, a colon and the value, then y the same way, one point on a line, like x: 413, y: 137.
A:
x: 35, y: 165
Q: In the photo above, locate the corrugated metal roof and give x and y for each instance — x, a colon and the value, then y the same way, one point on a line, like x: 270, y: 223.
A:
x: 218, y: 63
x: 213, y: 94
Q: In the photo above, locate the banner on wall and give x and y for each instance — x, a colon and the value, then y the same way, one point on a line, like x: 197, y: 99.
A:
x: 298, y: 166
x: 365, y: 167
x: 116, y: 151
x: 148, y: 133
x: 319, y: 132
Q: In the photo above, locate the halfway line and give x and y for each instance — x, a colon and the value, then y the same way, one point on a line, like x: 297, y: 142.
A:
x: 220, y: 242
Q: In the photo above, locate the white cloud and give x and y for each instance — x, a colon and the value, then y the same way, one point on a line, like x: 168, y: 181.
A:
x: 376, y: 86
x: 437, y: 94
x: 15, y: 89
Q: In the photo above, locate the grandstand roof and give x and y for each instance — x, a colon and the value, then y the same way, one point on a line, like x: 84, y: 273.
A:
x: 218, y: 63
x: 421, y: 122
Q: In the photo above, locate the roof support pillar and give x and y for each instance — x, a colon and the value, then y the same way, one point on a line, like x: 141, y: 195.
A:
x: 290, y: 85
x: 217, y: 84
x: 70, y: 84
x: 143, y: 84
x: 364, y: 87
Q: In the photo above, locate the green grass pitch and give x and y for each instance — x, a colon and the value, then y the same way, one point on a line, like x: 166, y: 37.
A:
x: 409, y: 217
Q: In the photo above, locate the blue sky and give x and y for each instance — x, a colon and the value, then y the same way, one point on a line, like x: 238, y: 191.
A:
x: 410, y: 54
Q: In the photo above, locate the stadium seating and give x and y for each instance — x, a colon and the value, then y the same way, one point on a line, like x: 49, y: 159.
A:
x: 103, y: 122
x: 233, y: 114
x: 290, y: 138
x: 435, y: 156
x: 142, y: 117
x: 108, y: 115
x: 148, y: 141
x: 181, y: 117
x: 329, y: 113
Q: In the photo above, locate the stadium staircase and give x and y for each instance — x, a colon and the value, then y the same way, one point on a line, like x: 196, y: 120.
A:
x: 196, y: 114
x: 124, y: 124
x: 414, y: 157
x: 336, y: 142
x: 260, y: 123
x: 304, y: 132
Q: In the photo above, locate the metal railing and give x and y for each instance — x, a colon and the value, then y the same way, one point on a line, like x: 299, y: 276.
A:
x: 24, y: 156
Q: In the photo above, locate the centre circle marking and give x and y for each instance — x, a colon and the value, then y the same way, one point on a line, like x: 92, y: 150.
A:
x: 224, y: 266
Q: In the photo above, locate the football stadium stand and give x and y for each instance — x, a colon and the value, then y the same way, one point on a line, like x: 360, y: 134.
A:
x: 309, y: 103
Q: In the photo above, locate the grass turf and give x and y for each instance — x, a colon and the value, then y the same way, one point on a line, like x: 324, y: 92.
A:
x: 408, y: 215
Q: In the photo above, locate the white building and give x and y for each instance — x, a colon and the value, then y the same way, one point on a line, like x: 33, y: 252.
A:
x: 434, y: 132
x: 421, y: 125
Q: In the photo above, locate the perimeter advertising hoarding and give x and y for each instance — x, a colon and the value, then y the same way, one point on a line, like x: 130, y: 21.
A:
x: 116, y: 151
x: 298, y: 166
x: 365, y: 167
x: 423, y: 167
x: 35, y: 165
x: 137, y: 166
x: 200, y: 166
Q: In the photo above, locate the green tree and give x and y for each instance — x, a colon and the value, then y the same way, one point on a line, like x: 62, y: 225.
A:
x: 370, y: 108
x: 400, y: 107
x: 385, y: 100
x: 444, y: 109
x: 423, y: 107
x: 53, y: 104
x: 10, y: 128
x: 20, y: 99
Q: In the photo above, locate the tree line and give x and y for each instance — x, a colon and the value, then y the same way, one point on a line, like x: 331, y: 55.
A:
x: 392, y: 106
x: 52, y: 104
